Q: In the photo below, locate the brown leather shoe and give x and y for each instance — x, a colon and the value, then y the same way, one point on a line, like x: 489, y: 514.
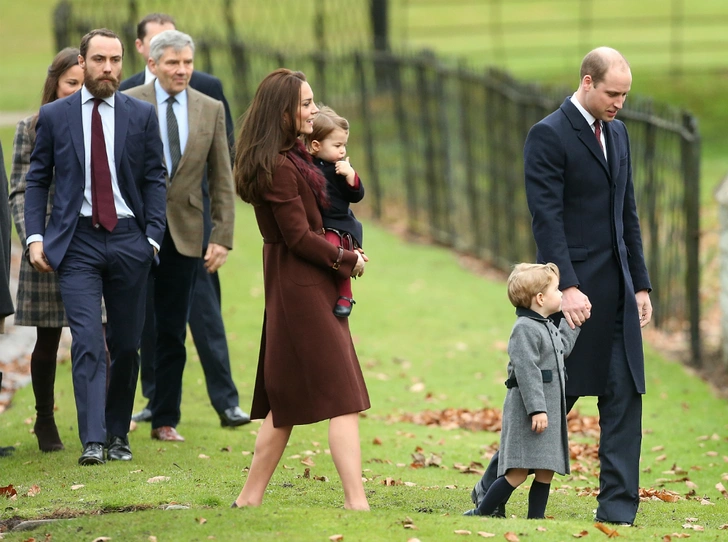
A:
x: 168, y: 433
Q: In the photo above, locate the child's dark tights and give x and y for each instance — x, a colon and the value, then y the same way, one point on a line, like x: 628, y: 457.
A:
x: 538, y: 496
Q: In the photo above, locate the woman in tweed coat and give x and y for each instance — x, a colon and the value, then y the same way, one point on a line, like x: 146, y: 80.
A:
x: 39, y: 298
x: 534, y: 435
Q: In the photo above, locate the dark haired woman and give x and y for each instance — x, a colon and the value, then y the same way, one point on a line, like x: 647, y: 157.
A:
x: 307, y: 369
x: 39, y: 298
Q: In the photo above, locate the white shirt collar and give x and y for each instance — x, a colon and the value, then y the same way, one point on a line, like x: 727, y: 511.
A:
x: 162, y: 95
x: 148, y: 75
x: 86, y: 96
x: 588, y: 116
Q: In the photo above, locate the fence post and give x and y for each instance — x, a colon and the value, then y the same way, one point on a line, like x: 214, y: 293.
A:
x: 62, y: 15
x: 405, y: 140
x: 650, y: 202
x: 690, y: 158
x: 367, y: 122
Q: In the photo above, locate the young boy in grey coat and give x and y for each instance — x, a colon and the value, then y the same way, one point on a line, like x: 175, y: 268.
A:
x: 534, y: 435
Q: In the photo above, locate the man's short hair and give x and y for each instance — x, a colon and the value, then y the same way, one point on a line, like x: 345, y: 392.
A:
x: 105, y: 32
x: 527, y: 280
x: 169, y: 38
x: 159, y: 18
x: 597, y: 63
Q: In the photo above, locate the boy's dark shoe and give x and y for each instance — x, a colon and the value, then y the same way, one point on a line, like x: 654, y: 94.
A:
x: 477, y: 496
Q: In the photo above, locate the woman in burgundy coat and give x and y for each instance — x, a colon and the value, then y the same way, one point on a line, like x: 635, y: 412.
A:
x: 307, y: 370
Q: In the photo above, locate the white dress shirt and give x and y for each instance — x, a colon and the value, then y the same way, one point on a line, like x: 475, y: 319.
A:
x: 148, y: 75
x: 180, y: 111
x: 590, y: 119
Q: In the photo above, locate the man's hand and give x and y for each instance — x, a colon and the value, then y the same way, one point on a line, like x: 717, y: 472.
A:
x: 539, y: 422
x: 644, y: 307
x: 38, y: 258
x: 215, y: 256
x: 343, y: 167
x: 575, y: 306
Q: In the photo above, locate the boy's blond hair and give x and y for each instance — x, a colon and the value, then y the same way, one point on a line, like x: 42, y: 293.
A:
x: 527, y: 280
x: 325, y: 122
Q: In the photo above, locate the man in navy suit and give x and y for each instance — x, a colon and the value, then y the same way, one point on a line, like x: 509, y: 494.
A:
x: 105, y: 229
x: 580, y: 194
x: 206, y: 324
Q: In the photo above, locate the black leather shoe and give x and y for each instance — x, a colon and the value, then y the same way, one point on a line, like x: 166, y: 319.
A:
x: 233, y: 417
x: 145, y: 415
x: 118, y: 449
x: 6, y: 450
x: 93, y: 454
x: 343, y: 311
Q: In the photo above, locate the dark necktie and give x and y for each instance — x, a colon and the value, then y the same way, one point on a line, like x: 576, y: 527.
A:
x: 598, y: 133
x: 173, y: 137
x: 103, y: 210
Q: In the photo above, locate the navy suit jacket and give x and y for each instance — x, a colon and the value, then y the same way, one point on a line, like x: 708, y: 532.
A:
x: 584, y: 219
x: 59, y: 145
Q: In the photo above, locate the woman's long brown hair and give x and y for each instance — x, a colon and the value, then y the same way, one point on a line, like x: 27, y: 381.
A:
x: 65, y: 59
x: 269, y: 127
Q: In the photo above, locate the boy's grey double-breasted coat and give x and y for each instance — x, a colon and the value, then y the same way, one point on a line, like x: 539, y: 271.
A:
x: 536, y: 345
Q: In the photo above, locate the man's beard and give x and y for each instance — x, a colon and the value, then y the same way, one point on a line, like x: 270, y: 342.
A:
x: 102, y: 89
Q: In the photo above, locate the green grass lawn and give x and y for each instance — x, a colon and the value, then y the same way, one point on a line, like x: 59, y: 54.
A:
x: 430, y: 335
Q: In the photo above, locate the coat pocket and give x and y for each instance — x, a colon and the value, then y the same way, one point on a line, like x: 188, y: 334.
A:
x: 578, y: 253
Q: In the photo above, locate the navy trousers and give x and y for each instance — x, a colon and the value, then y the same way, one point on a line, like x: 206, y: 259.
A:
x: 116, y: 266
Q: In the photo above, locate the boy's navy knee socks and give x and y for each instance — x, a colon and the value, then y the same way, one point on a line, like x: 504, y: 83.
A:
x: 538, y: 496
x: 499, y: 492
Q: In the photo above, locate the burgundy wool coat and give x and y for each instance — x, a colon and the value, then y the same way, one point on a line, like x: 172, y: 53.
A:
x: 308, y: 370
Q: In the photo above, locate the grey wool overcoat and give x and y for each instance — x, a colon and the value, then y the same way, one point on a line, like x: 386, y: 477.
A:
x: 535, y: 346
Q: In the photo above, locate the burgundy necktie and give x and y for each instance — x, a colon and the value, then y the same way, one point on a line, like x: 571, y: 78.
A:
x: 598, y: 133
x: 103, y: 210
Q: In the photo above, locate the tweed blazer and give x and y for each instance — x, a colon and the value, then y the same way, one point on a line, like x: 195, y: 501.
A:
x: 206, y: 150
x: 536, y: 345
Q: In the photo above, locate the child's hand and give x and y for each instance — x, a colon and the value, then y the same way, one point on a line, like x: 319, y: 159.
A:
x: 361, y: 251
x: 539, y: 422
x: 343, y: 167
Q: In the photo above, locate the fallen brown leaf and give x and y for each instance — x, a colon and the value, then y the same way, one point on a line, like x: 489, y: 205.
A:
x: 336, y: 537
x: 724, y: 526
x: 611, y: 533
x: 582, y: 534
x: 33, y: 491
x: 377, y: 441
x: 309, y: 462
x: 201, y: 521
x: 203, y: 456
x: 102, y: 539
x: 462, y: 531
x: 157, y: 479
x: 8, y: 491
x: 511, y: 537
x: 152, y: 538
x: 77, y: 486
x: 485, y: 534
x: 722, y: 489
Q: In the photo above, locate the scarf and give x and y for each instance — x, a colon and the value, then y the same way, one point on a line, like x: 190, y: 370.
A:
x: 311, y: 174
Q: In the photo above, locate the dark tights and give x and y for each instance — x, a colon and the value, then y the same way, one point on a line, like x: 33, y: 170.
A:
x: 43, y: 374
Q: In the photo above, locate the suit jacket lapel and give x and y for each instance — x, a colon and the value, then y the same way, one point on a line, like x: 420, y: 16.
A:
x: 121, y: 120
x: 612, y: 139
x: 75, y: 123
x: 586, y: 135
x: 194, y: 120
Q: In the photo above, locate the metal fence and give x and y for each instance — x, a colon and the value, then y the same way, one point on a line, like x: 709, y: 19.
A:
x: 440, y: 148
